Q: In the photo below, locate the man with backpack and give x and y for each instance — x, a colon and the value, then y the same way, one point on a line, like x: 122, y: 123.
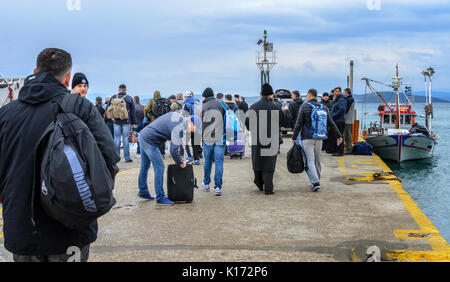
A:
x: 213, y: 115
x: 178, y: 104
x: 31, y: 233
x: 155, y: 108
x: 310, y: 129
x: 122, y: 110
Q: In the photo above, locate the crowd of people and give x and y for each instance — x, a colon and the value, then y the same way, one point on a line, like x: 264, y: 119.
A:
x: 181, y: 119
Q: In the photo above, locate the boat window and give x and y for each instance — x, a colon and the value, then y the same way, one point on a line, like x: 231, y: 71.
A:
x: 386, y: 119
x: 402, y: 118
x: 394, y: 119
x: 408, y: 119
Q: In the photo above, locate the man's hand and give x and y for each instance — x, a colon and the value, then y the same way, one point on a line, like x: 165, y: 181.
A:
x: 339, y: 141
x: 133, y: 126
x: 294, y: 141
x: 183, y: 165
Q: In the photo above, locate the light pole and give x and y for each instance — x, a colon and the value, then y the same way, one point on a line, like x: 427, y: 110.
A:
x: 266, y: 64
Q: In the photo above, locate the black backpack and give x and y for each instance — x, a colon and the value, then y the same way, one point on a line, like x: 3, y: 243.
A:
x: 160, y: 107
x: 295, y: 162
x: 100, y: 110
x: 75, y: 184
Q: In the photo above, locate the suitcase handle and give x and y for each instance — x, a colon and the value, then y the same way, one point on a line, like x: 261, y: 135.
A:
x: 173, y: 181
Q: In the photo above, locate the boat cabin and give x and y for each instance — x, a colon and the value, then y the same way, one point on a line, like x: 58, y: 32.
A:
x: 388, y: 118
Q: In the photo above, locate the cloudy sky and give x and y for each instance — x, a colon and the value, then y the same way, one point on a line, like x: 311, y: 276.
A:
x: 175, y: 46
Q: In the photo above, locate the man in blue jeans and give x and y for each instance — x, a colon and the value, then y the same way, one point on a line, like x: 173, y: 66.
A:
x: 169, y: 127
x: 213, y: 145
x: 122, y: 127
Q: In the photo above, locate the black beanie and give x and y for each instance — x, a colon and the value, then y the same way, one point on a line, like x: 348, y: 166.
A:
x: 266, y: 90
x: 79, y: 78
x: 208, y: 92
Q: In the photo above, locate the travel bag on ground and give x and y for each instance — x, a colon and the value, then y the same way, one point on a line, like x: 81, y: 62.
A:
x: 181, y: 183
x: 295, y: 160
x: 237, y: 148
x: 75, y: 186
x: 362, y: 148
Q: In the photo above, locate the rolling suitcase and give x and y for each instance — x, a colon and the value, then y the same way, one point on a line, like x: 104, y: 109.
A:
x: 236, y: 149
x: 181, y: 183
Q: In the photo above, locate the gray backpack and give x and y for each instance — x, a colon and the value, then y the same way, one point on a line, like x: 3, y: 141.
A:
x: 75, y: 185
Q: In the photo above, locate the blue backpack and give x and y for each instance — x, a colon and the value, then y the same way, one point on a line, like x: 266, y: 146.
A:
x: 231, y: 124
x: 319, y: 123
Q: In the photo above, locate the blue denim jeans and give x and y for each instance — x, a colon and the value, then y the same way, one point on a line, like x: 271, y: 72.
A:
x: 122, y: 132
x: 218, y: 151
x: 151, y: 155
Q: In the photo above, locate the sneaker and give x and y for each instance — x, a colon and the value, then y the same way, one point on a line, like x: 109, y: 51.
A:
x: 189, y: 159
x: 206, y: 187
x: 165, y: 202
x: 316, y: 187
x: 146, y: 196
x: 197, y: 162
x: 218, y: 191
x: 337, y: 155
x: 129, y: 161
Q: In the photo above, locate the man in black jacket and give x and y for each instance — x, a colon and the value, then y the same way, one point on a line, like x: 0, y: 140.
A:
x: 294, y: 106
x: 312, y: 147
x: 264, y: 152
x: 46, y: 239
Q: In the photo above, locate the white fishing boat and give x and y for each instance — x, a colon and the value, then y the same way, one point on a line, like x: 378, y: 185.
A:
x: 397, y: 136
x: 9, y: 89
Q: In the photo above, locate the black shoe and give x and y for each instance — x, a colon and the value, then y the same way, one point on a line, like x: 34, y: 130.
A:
x: 269, y: 193
x: 316, y: 187
x: 261, y: 189
x: 337, y: 155
x: 129, y: 161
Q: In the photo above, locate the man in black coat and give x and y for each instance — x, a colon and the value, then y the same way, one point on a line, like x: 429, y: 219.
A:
x: 294, y: 106
x: 264, y: 152
x: 44, y: 239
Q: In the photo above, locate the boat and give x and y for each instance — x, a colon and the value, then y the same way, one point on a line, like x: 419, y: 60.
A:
x: 397, y: 136
x: 9, y: 89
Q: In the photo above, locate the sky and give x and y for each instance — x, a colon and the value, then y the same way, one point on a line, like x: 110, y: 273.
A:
x: 175, y: 46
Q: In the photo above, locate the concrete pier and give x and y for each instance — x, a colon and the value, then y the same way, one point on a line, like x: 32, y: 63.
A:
x: 353, y: 211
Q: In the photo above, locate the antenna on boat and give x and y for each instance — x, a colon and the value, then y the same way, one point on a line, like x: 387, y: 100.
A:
x: 428, y: 74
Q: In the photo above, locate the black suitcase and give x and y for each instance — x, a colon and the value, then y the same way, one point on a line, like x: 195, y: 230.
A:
x: 181, y: 183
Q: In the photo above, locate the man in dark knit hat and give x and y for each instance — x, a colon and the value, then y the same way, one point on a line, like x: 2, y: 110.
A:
x: 264, y: 152
x: 80, y: 84
x: 213, y: 146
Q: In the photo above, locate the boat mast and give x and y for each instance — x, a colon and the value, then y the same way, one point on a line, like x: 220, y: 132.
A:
x: 396, y: 86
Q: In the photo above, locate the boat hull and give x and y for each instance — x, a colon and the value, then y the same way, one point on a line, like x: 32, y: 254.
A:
x: 402, y: 148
